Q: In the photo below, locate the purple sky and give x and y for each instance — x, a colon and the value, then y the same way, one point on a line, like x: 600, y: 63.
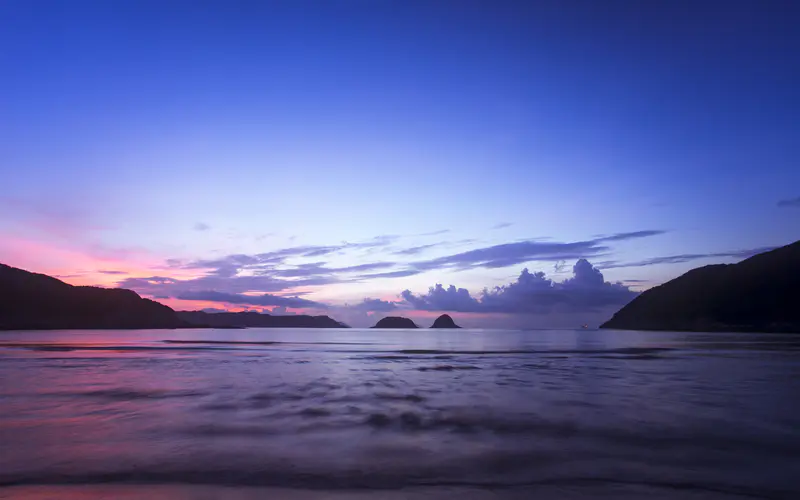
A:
x: 345, y: 157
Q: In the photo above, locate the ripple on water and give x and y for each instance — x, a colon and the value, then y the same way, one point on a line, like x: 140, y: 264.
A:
x: 447, y: 368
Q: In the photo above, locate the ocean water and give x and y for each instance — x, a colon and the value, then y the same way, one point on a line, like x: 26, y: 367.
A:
x: 398, y: 414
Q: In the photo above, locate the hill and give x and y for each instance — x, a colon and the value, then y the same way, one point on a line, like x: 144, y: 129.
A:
x: 257, y: 320
x: 444, y: 321
x: 759, y: 294
x: 395, y: 322
x: 31, y: 301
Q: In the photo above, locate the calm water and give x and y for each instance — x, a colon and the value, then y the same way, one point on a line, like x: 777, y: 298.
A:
x: 497, y: 414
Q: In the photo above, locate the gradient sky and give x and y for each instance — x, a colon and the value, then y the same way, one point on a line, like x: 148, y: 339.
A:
x: 207, y: 153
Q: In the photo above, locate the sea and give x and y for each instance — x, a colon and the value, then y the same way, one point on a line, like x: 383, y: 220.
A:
x: 399, y: 414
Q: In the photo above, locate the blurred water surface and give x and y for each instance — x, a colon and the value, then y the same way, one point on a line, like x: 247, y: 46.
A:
x: 503, y: 413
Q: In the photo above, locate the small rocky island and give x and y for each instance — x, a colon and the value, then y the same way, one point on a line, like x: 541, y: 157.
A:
x: 395, y: 322
x: 444, y: 321
x: 759, y: 294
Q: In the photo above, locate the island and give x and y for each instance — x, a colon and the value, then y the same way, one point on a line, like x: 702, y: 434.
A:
x: 759, y: 294
x: 252, y: 319
x: 31, y: 301
x: 444, y: 321
x: 395, y: 322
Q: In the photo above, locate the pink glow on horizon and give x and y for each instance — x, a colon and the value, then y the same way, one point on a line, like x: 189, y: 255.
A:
x: 80, y: 267
x: 196, y: 305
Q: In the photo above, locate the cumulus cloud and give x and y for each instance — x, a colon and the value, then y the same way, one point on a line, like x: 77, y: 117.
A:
x: 281, y: 311
x: 794, y: 202
x: 292, y: 269
x: 373, y: 305
x: 531, y: 293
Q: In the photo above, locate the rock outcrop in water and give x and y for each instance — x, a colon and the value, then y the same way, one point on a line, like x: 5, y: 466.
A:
x: 395, y: 322
x: 444, y: 321
x: 30, y: 301
x: 759, y: 294
x: 257, y: 320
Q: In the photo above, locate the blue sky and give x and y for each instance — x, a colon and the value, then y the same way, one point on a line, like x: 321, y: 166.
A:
x: 134, y: 134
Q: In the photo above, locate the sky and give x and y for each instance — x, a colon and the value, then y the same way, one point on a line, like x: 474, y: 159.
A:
x: 515, y: 163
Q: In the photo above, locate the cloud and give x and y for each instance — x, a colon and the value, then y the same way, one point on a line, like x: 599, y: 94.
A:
x: 201, y: 226
x: 791, y: 203
x: 275, y: 257
x: 112, y: 272
x: 531, y: 293
x: 509, y: 254
x: 416, y: 250
x: 686, y: 257
x: 503, y: 255
x: 440, y: 298
x: 279, y: 270
x: 281, y: 311
x: 632, y: 235
x: 373, y: 305
x: 161, y: 285
x: 502, y: 225
x: 318, y: 268
x: 435, y: 233
x: 254, y: 300
x: 391, y: 274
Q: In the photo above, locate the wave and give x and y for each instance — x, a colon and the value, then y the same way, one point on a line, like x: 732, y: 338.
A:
x: 623, y: 350
x: 447, y: 368
x: 268, y: 342
x: 124, y: 394
x: 61, y: 347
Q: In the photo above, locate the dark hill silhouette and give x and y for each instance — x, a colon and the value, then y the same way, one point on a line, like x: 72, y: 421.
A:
x: 444, y: 321
x: 30, y: 301
x: 257, y: 320
x: 395, y: 322
x: 759, y: 294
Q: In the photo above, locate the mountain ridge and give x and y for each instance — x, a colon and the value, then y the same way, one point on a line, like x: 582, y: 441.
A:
x: 34, y: 301
x: 758, y: 294
x: 250, y: 319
